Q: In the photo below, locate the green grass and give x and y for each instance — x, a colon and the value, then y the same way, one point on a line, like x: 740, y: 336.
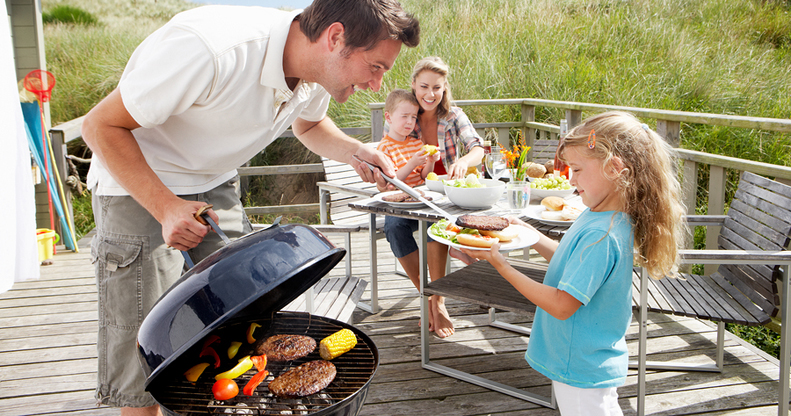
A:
x: 714, y: 56
x: 68, y: 14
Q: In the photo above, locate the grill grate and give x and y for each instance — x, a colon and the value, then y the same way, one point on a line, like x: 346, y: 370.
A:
x: 354, y: 370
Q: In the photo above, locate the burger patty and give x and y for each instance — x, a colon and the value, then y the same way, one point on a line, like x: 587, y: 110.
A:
x: 307, y: 379
x: 286, y: 347
x: 482, y: 222
x: 404, y: 197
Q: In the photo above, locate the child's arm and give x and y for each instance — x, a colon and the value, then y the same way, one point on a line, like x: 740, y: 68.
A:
x: 416, y: 160
x: 545, y: 246
x: 554, y: 301
x: 428, y: 167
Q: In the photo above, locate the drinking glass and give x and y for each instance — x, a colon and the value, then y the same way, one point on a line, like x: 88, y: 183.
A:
x: 518, y: 193
x: 495, y: 164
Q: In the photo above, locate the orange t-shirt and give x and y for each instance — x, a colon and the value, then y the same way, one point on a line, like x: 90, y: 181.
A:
x: 400, y: 153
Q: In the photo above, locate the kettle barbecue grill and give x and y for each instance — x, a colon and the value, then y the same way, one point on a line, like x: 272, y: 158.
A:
x: 249, y: 281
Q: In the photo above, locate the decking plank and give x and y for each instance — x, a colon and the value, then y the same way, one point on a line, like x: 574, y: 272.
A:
x: 48, y: 364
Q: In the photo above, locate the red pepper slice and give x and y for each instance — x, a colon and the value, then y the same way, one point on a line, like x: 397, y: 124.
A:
x: 210, y: 351
x: 259, y: 361
x: 251, y: 385
x: 210, y: 340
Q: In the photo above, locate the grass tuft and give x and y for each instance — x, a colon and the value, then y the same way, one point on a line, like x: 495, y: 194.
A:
x: 69, y: 14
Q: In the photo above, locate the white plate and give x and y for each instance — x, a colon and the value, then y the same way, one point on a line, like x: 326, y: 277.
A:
x: 526, y: 238
x: 534, y: 212
x: 435, y: 197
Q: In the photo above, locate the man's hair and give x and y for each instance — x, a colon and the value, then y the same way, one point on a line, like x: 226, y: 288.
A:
x: 366, y: 22
x: 397, y: 97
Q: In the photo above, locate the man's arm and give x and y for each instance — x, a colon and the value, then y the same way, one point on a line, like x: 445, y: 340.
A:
x: 326, y: 139
x: 107, y: 130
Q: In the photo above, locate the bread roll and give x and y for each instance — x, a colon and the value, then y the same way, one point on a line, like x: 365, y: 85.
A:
x: 505, y: 235
x: 534, y: 170
x: 550, y: 166
x: 475, y: 240
x: 553, y: 203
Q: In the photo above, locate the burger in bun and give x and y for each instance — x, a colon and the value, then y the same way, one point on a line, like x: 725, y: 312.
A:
x: 505, y: 235
x: 476, y: 240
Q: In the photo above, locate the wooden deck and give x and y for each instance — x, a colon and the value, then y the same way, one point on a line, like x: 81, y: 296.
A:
x: 48, y: 354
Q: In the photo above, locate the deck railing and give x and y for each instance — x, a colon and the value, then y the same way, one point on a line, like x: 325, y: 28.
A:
x: 668, y: 124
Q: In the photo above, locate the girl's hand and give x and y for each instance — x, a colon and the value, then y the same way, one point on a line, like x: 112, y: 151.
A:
x: 492, y: 256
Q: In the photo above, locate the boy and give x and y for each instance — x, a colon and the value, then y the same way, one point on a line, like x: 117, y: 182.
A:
x: 412, y: 161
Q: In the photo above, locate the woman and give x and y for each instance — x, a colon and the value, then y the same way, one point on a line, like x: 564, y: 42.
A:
x: 447, y: 127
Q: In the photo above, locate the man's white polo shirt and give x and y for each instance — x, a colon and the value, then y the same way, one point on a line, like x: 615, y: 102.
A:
x: 206, y: 89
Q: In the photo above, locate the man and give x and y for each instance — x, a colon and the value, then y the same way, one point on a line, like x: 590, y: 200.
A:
x: 198, y: 98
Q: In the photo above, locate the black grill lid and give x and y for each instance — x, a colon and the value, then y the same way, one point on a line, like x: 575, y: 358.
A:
x: 253, y: 276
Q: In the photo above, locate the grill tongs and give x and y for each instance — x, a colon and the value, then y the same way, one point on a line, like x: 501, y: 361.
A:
x: 411, y: 192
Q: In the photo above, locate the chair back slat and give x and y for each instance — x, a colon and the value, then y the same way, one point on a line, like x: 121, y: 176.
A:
x: 759, y: 218
x: 544, y: 149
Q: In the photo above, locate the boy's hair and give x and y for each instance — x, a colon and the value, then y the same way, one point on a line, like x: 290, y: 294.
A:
x: 398, y: 96
x: 436, y: 65
x: 366, y: 22
x: 648, y: 184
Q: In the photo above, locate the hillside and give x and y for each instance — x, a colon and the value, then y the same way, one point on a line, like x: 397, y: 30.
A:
x: 719, y: 56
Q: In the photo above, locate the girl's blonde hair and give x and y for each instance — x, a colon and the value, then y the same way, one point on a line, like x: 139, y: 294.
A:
x: 647, y: 183
x: 438, y: 66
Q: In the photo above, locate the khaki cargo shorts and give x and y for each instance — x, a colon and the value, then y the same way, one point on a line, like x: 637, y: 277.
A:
x: 134, y: 268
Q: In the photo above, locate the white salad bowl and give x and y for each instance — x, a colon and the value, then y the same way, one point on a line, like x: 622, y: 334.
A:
x: 436, y: 186
x: 476, y: 198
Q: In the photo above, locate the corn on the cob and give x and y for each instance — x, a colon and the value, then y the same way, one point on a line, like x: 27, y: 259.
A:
x: 337, y: 344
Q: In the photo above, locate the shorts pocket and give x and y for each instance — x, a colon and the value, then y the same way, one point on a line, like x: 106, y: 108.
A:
x: 119, y: 272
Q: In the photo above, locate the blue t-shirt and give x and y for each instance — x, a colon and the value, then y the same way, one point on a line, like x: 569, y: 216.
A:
x: 593, y: 263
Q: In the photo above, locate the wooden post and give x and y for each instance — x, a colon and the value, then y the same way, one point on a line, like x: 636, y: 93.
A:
x: 503, y: 136
x: 377, y: 124
x: 573, y: 118
x: 529, y: 133
x: 716, y: 207
x: 670, y: 131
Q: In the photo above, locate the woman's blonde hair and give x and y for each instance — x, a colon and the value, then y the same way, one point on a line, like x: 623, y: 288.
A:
x: 647, y: 183
x: 438, y: 66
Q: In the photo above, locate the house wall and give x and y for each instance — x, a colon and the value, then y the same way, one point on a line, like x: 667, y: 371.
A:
x: 27, y: 35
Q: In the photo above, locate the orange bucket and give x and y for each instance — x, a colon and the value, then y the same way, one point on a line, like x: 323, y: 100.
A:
x: 46, y: 243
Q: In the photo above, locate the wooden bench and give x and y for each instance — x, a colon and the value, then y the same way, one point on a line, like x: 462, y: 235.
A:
x: 344, y: 185
x: 336, y: 297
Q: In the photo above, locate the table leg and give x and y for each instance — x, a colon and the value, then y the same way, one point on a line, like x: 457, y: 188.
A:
x: 424, y: 310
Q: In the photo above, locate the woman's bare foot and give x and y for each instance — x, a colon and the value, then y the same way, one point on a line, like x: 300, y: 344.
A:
x: 457, y: 254
x: 443, y: 326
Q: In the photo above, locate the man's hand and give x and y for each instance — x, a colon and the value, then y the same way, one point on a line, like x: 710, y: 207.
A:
x: 180, y: 229
x: 377, y: 158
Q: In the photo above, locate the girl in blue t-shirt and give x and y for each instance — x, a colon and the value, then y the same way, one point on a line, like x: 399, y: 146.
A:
x: 626, y: 176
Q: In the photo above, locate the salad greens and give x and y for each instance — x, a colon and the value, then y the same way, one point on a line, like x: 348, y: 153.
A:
x: 440, y: 229
x: 471, y: 181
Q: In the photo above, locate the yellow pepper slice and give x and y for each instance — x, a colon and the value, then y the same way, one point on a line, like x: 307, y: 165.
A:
x: 244, y: 364
x: 233, y: 349
x: 250, y: 331
x: 193, y: 373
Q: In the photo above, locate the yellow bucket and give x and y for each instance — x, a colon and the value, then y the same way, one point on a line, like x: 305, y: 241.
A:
x: 46, y: 243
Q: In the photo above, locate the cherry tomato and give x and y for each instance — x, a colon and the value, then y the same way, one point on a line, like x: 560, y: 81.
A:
x: 225, y: 389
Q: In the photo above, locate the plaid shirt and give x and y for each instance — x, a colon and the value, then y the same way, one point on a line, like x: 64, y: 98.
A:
x: 456, y: 128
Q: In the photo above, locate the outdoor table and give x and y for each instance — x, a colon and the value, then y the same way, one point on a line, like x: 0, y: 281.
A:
x: 424, y: 215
